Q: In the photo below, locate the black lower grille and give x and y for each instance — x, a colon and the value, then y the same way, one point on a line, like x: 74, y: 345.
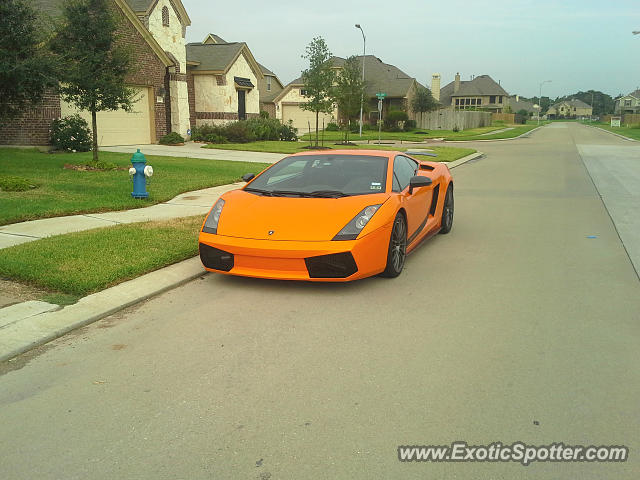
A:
x: 215, y: 259
x: 336, y: 265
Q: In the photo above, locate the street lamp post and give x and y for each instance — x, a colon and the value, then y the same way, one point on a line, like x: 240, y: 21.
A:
x: 364, y: 53
x: 540, y: 98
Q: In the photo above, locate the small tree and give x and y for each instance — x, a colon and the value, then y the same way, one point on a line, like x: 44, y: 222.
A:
x: 423, y: 101
x: 348, y: 93
x: 94, y: 64
x: 26, y: 69
x: 318, y: 79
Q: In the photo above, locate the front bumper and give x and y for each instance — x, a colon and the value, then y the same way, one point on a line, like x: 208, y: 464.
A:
x: 339, y: 261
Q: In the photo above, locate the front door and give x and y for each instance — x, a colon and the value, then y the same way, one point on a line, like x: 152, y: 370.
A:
x: 242, y: 106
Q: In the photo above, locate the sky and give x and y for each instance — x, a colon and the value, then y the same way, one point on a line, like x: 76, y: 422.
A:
x: 578, y: 45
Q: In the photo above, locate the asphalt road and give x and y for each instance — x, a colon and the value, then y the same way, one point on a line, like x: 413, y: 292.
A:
x: 515, y: 327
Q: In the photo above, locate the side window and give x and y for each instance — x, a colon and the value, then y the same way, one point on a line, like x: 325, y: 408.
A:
x: 403, y: 169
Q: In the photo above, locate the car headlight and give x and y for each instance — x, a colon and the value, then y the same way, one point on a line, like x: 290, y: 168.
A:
x: 211, y: 224
x: 355, y: 226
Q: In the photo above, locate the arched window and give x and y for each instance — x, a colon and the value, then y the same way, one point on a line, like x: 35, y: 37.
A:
x: 165, y: 17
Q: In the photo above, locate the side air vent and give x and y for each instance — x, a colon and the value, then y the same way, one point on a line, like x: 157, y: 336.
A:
x: 424, y: 166
x: 434, y: 200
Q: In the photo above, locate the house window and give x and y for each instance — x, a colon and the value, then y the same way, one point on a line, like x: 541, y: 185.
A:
x: 268, y: 84
x: 500, y: 99
x: 165, y: 17
x: 473, y: 101
x: 467, y: 101
x: 221, y: 80
x: 492, y: 99
x: 303, y: 92
x: 457, y: 101
x: 479, y: 101
x: 627, y: 103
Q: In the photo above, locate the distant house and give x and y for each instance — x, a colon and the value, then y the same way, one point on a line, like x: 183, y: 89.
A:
x: 270, y: 86
x: 481, y: 92
x: 629, y: 103
x: 380, y: 77
x: 569, y: 109
x: 222, y: 79
x: 517, y: 103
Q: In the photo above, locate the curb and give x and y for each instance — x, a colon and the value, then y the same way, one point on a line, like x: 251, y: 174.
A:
x: 613, y: 133
x: 37, y: 330
x: 463, y: 160
x: 522, y: 135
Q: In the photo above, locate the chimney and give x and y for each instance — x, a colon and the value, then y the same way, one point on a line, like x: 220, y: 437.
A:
x: 435, y: 86
x: 456, y: 85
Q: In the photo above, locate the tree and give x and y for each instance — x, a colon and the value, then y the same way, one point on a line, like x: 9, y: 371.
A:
x: 26, y: 67
x: 95, y: 64
x: 348, y: 93
x: 423, y: 102
x: 318, y: 79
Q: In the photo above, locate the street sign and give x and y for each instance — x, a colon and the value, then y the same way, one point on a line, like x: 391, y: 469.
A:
x: 379, y: 105
x: 381, y: 95
x: 615, y: 121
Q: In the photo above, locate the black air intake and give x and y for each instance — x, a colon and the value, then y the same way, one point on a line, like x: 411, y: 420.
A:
x: 216, y: 259
x: 336, y: 265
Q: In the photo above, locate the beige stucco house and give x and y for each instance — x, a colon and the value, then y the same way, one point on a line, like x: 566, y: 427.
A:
x: 629, y: 103
x: 570, y: 109
x: 288, y: 108
x: 270, y: 87
x: 223, y: 79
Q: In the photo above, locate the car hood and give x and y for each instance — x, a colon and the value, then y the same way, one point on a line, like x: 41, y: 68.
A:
x: 248, y: 215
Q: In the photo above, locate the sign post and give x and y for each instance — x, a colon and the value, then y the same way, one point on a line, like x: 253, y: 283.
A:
x: 380, y: 99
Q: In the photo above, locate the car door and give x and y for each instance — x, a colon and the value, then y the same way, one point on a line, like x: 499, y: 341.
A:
x: 417, y: 203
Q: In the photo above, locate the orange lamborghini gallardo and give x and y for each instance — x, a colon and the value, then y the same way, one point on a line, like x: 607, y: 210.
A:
x: 336, y: 215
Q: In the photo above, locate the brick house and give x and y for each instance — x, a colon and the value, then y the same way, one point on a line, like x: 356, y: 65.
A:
x: 481, y: 92
x: 155, y: 30
x: 573, y: 108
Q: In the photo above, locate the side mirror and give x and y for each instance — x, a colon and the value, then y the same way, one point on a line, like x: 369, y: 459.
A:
x: 248, y: 177
x: 419, y: 181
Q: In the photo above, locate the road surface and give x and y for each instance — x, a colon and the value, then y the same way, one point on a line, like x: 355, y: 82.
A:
x: 520, y: 325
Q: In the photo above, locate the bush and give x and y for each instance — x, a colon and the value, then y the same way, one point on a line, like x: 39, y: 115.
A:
x: 410, y: 125
x: 264, y: 114
x: 71, y: 134
x: 264, y: 128
x: 215, y: 138
x: 332, y: 127
x: 10, y: 183
x: 288, y: 133
x: 200, y: 134
x: 172, y: 138
x: 238, y: 132
x: 392, y: 118
x: 456, y: 129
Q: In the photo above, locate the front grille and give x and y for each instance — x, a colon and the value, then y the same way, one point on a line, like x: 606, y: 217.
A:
x: 215, y: 259
x: 336, y: 265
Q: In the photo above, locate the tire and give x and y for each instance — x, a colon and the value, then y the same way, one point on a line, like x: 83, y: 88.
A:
x: 397, y: 251
x: 447, y: 211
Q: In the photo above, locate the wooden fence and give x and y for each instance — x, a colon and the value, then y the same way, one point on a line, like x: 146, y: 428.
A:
x: 446, y: 119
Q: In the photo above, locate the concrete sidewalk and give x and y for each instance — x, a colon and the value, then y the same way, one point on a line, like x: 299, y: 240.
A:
x: 186, y: 204
x: 195, y: 150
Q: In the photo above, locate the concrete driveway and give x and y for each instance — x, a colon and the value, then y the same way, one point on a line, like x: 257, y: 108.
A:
x: 521, y: 325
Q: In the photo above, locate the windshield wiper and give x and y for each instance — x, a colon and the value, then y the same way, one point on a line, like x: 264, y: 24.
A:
x: 266, y: 193
x: 328, y: 194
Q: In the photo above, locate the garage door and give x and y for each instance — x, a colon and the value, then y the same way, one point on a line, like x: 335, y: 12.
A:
x: 302, y: 118
x: 120, y: 127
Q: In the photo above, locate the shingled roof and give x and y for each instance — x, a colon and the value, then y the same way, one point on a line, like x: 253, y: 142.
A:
x: 574, y: 102
x: 480, y: 85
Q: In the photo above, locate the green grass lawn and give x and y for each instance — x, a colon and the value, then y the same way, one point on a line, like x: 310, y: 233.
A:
x: 411, y: 136
x: 65, y: 192
x: 514, y: 132
x: 77, y: 264
x: 633, y: 133
x: 445, y: 154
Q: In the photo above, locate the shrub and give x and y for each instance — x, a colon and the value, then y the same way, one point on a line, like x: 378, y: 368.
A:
x: 264, y: 128
x: 264, y: 114
x: 215, y: 138
x: 9, y: 183
x: 392, y: 118
x: 200, y: 134
x: 238, y: 132
x: 288, y: 133
x: 409, y: 125
x: 332, y: 127
x: 172, y: 138
x: 71, y: 133
x: 456, y: 129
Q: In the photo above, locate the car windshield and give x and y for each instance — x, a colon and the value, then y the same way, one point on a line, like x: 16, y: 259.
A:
x: 325, y: 175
